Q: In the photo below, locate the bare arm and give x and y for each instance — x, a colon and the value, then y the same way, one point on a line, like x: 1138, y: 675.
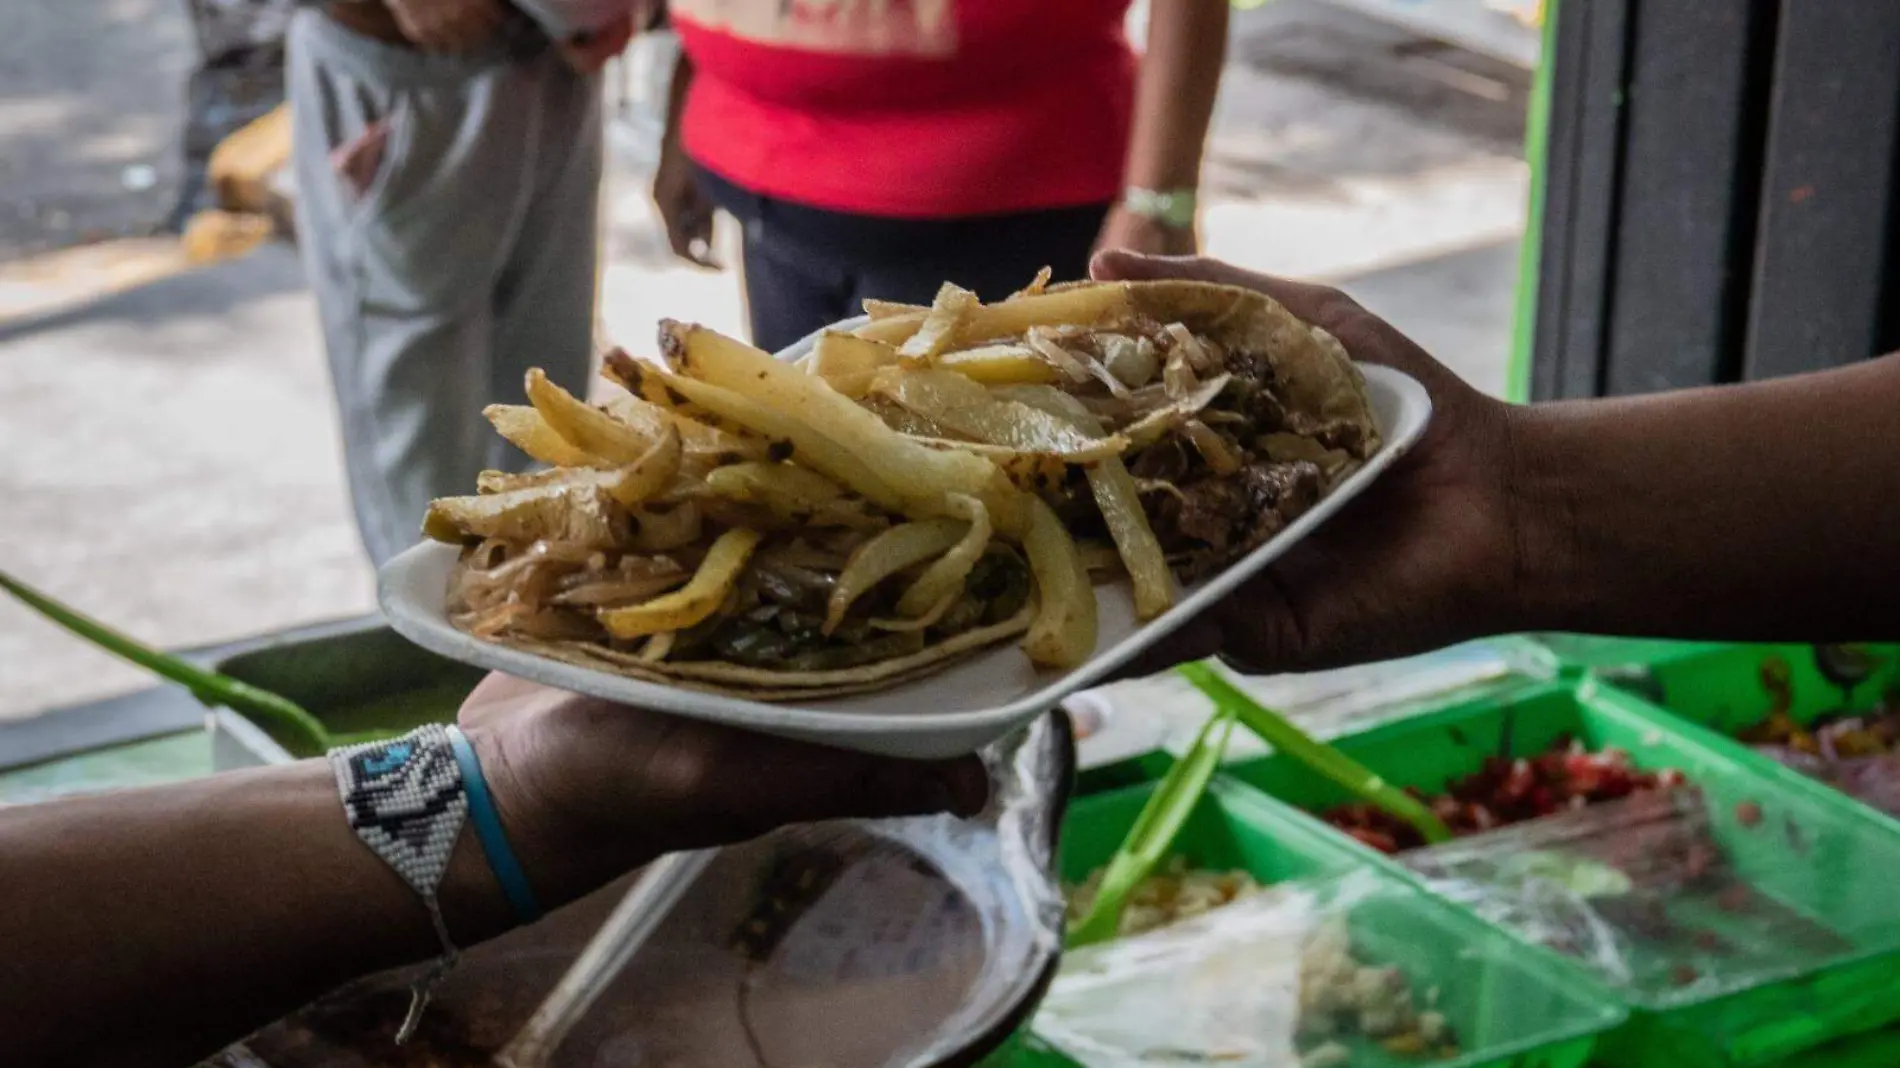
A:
x: 151, y: 927
x: 1174, y: 99
x: 684, y: 210
x: 1762, y: 511
x: 1766, y: 511
x: 1174, y: 102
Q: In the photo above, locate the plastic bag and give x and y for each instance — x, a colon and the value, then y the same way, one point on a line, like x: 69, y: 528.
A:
x: 1310, y: 974
x: 847, y: 945
x: 1326, y: 704
x: 1674, y: 895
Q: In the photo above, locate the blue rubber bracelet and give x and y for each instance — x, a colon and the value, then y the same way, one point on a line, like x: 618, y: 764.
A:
x: 481, y: 813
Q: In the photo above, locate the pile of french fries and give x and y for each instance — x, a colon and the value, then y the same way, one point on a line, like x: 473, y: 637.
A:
x: 912, y: 430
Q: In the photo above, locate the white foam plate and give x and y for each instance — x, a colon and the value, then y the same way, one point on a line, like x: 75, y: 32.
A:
x: 955, y: 711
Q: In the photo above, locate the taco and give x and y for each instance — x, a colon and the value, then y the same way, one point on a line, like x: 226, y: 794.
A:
x: 938, y: 482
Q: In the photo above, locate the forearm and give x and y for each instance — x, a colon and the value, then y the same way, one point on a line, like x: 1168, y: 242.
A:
x: 1766, y: 511
x: 1174, y: 98
x: 677, y: 89
x: 150, y: 927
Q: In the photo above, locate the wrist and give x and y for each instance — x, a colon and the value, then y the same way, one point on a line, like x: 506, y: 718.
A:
x: 1548, y: 588
x: 1173, y: 206
x: 561, y: 855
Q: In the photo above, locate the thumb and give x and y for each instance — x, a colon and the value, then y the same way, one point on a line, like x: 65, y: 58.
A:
x: 1123, y: 265
x: 1197, y: 639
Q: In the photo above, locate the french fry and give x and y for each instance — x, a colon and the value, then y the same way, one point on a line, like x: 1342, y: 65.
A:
x: 761, y: 483
x: 1036, y: 472
x: 903, y: 475
x: 1120, y: 503
x: 524, y: 428
x: 577, y: 512
x: 902, y: 546
x: 692, y: 603
x: 792, y: 436
x: 586, y: 428
x: 1099, y: 305
x: 698, y: 437
x: 945, y: 576
x: 939, y: 328
x: 848, y: 362
x: 662, y: 529
x: 885, y: 309
x: 1064, y: 632
x: 645, y: 478
x: 793, y: 495
x: 961, y: 405
x: 630, y: 484
x: 999, y: 365
x: 1037, y: 285
x: 508, y: 481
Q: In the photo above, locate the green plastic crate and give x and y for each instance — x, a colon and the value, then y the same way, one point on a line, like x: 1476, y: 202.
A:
x: 1589, y: 652
x: 1723, y: 687
x: 1811, y: 957
x: 1509, y: 1009
x: 1229, y: 830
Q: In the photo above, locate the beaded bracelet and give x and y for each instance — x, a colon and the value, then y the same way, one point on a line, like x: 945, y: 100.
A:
x: 407, y: 799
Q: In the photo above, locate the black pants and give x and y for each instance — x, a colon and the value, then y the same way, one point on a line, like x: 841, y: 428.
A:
x: 806, y: 267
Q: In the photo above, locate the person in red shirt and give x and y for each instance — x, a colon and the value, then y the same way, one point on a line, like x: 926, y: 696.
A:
x: 878, y: 148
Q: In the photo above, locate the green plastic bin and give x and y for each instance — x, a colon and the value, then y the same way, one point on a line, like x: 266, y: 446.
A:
x: 1727, y: 689
x: 1808, y: 954
x: 1723, y: 687
x: 1507, y: 1007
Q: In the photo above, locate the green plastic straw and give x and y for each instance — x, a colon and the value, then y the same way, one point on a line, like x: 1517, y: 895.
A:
x: 298, y: 730
x: 1154, y: 831
x: 1280, y: 733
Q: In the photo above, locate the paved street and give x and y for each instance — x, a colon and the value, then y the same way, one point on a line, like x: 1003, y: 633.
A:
x: 172, y: 453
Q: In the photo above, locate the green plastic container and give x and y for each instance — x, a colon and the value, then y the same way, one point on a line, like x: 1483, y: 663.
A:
x: 1232, y: 829
x: 1722, y: 687
x: 1808, y: 953
x: 1507, y: 1007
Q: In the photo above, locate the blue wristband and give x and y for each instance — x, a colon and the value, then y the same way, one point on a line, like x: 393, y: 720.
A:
x: 481, y: 813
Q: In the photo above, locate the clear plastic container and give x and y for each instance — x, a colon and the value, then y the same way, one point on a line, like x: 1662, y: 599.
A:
x: 1747, y: 917
x: 1265, y: 981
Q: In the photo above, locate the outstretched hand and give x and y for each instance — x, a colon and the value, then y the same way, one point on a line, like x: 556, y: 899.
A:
x: 613, y: 786
x: 1427, y: 556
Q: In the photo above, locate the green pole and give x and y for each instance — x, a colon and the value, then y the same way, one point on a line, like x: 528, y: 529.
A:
x: 1517, y: 380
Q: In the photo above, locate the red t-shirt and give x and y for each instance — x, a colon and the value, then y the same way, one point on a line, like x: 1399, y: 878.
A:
x: 911, y: 108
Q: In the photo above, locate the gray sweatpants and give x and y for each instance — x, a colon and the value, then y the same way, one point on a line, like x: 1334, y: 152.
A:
x: 469, y: 257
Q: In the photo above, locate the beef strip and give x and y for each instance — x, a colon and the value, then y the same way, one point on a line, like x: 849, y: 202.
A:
x: 1217, y: 520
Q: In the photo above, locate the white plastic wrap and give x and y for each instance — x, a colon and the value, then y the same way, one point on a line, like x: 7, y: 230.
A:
x: 1299, y: 975
x: 1675, y: 895
x: 1326, y: 704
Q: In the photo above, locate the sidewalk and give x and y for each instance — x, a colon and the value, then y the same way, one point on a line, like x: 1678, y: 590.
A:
x: 173, y: 456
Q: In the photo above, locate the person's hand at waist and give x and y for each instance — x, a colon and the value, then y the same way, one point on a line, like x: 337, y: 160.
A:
x: 448, y: 25
x: 591, y: 51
